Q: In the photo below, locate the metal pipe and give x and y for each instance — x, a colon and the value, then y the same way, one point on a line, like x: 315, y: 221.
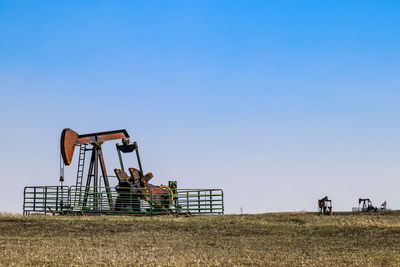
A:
x: 138, y: 158
x: 105, y: 178
x: 96, y: 176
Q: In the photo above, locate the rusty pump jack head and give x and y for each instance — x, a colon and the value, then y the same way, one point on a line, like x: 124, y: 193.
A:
x: 68, y: 143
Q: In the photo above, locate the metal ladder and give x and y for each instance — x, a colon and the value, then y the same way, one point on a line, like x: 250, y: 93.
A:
x: 79, y: 175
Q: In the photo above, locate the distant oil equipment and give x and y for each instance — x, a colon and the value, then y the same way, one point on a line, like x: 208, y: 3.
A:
x: 365, y: 205
x: 325, y: 206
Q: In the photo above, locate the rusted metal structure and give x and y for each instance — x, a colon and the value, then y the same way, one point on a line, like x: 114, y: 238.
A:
x: 70, y: 139
x: 133, y: 193
x: 138, y: 182
x: 325, y: 206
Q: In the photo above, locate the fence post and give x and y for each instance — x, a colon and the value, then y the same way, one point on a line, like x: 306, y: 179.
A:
x: 198, y: 200
x: 211, y: 207
x: 223, y: 207
x: 23, y: 211
x: 69, y: 199
x: 34, y: 198
x: 57, y: 199
x: 187, y: 201
x: 45, y: 200
x: 151, y: 201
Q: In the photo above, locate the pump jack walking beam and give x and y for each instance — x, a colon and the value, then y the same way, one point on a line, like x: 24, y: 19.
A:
x: 69, y: 139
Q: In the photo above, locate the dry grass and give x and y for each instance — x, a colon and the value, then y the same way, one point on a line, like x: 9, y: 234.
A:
x: 268, y: 239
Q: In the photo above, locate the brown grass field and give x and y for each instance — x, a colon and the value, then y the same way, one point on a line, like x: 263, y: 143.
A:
x: 266, y: 239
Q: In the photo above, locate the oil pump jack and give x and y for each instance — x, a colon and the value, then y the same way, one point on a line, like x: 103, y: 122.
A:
x: 130, y: 191
x: 70, y: 139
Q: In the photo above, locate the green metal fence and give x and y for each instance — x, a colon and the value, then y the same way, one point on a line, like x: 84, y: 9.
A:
x: 43, y: 199
x: 115, y: 200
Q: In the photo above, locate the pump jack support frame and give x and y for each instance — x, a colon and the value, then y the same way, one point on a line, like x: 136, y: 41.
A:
x: 96, y: 158
x: 69, y: 139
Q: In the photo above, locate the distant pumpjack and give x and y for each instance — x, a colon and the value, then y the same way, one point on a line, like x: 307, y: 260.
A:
x: 325, y: 206
x: 383, y: 206
x: 365, y: 204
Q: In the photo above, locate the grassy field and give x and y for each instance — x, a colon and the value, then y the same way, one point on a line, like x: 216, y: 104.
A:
x: 267, y: 239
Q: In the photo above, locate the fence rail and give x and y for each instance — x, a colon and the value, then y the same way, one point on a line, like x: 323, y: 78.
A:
x: 121, y: 200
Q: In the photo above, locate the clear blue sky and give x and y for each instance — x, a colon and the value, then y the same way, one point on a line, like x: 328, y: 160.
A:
x: 277, y: 102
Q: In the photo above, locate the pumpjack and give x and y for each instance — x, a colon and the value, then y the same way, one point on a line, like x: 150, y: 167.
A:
x: 131, y: 189
x: 325, y: 206
x: 383, y: 206
x: 365, y: 204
